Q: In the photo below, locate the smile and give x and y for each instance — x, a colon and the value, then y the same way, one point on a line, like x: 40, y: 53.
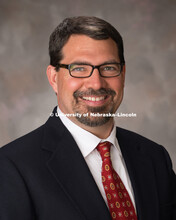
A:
x: 94, y: 99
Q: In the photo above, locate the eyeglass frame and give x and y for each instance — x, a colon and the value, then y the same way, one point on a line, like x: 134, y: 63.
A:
x: 67, y: 66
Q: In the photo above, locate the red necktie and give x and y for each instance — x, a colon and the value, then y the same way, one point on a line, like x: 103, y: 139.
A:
x: 119, y: 202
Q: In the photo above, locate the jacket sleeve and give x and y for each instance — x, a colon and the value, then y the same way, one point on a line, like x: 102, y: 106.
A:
x: 15, y: 202
x: 173, y: 184
x: 174, y: 196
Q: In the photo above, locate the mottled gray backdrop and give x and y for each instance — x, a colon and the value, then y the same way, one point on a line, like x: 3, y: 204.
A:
x: 149, y: 31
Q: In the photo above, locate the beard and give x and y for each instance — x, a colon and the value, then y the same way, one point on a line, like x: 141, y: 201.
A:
x: 81, y: 108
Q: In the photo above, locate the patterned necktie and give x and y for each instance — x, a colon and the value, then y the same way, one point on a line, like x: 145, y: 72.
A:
x: 119, y: 202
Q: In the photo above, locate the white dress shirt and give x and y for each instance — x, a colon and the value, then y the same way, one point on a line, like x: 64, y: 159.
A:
x: 87, y: 143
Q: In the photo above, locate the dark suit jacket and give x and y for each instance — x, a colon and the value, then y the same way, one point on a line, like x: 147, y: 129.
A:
x: 43, y: 176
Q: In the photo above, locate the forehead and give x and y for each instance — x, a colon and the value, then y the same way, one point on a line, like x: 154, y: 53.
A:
x: 82, y: 46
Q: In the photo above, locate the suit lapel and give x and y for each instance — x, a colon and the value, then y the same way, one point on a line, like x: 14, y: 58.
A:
x: 72, y: 173
x: 142, y: 176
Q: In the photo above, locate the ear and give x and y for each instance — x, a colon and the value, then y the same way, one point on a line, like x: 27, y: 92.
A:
x: 123, y: 74
x: 52, y: 77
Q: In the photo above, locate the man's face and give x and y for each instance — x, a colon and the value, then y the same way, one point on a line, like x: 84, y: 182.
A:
x: 94, y: 94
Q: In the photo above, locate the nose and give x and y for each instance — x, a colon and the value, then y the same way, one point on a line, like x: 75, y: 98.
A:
x: 95, y: 81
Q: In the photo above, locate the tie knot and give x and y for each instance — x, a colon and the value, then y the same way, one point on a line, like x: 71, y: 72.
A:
x: 104, y: 149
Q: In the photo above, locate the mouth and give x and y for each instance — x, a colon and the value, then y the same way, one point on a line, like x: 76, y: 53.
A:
x: 95, y: 100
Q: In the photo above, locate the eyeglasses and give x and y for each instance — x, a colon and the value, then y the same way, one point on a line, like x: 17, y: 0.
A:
x: 79, y: 70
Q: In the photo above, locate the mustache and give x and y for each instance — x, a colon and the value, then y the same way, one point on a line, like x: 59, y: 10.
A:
x: 90, y: 91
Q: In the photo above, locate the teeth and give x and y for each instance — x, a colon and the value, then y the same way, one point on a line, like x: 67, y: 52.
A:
x: 94, y: 98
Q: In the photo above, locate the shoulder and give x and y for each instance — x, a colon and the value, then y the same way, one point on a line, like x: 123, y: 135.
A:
x: 32, y: 145
x: 23, y: 145
x: 142, y: 144
x: 133, y: 136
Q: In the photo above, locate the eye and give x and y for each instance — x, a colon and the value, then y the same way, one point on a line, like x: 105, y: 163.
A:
x: 77, y: 68
x: 109, y: 68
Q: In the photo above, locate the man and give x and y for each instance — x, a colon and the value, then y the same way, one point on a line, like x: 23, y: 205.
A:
x: 81, y: 166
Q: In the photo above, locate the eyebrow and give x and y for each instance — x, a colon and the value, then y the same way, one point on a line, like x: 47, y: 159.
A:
x: 88, y: 63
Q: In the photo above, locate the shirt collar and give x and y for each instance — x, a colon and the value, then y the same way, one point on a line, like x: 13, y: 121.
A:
x: 85, y: 140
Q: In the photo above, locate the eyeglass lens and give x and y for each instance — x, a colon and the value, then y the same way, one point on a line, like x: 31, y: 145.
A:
x: 107, y: 70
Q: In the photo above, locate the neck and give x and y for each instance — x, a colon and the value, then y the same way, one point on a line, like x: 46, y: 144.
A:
x: 102, y: 131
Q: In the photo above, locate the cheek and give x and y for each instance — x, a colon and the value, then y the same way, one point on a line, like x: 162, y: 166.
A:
x: 71, y: 85
x: 116, y: 85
